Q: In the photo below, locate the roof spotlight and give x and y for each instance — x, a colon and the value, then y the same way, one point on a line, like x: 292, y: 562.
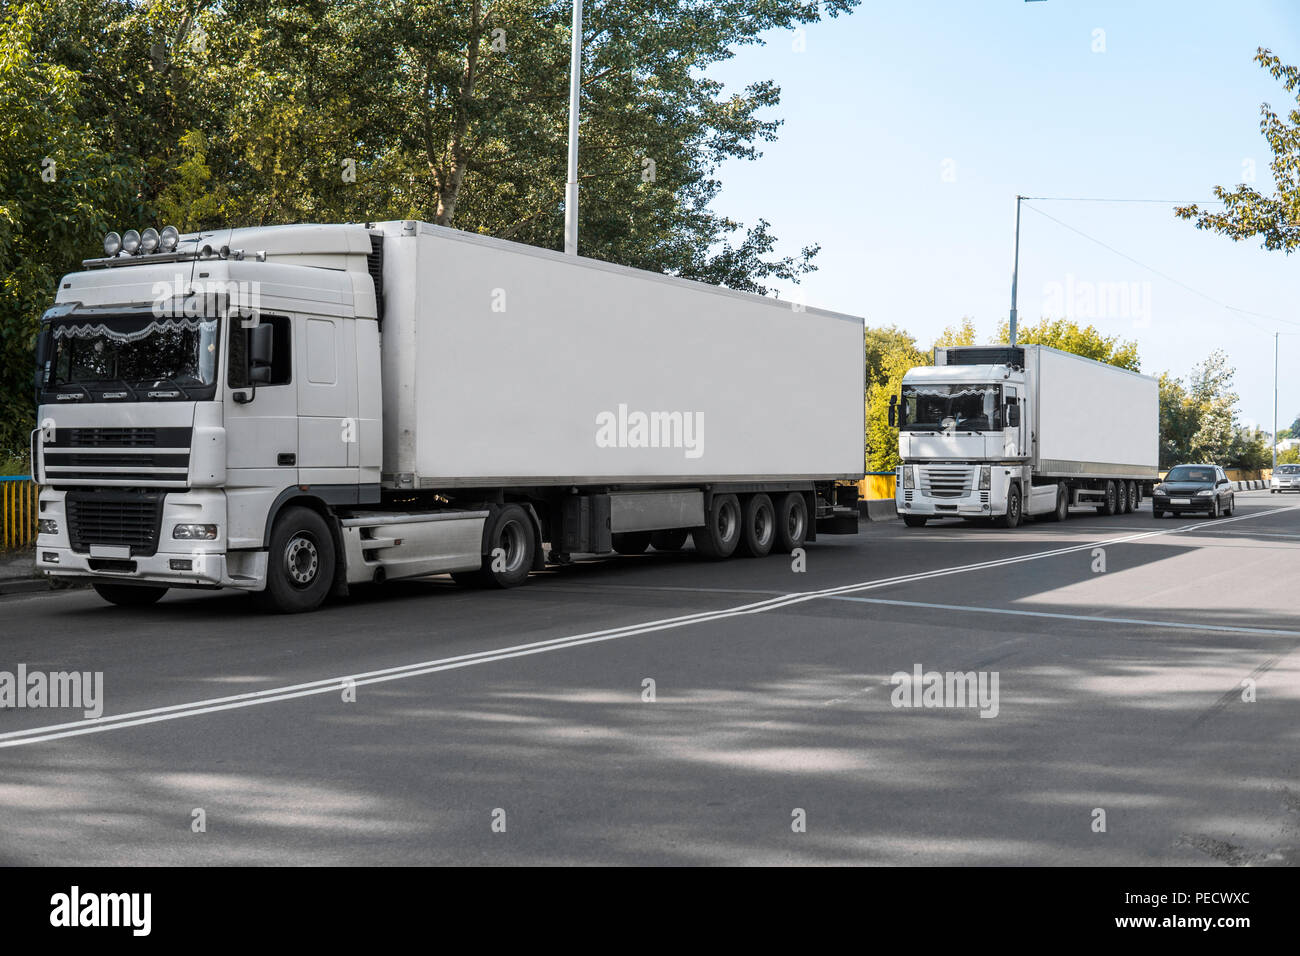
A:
x: 169, y: 238
x: 131, y: 242
x: 149, y: 241
x: 112, y: 244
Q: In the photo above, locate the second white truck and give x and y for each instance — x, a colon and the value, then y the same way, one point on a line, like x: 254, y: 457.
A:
x: 1000, y: 432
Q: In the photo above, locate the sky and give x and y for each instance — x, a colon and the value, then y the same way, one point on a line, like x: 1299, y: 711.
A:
x: 909, y: 127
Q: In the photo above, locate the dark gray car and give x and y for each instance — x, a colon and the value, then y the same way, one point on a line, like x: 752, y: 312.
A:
x: 1194, y: 488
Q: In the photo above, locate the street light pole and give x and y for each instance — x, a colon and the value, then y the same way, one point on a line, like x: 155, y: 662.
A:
x: 1275, y: 336
x: 1015, y: 273
x: 575, y: 88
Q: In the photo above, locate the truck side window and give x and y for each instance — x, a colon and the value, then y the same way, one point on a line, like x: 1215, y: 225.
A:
x: 281, y: 357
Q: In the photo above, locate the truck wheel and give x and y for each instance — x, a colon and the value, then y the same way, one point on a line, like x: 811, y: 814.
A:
x: 1062, y: 509
x: 669, y: 540
x: 129, y: 595
x: 1111, y: 504
x: 510, y: 546
x: 631, y: 542
x: 757, y: 526
x: 1012, y: 518
x: 300, y: 565
x: 1134, y: 499
x: 791, y: 523
x: 914, y: 521
x: 720, y: 535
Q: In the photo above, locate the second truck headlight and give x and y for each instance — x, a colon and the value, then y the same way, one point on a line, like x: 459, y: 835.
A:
x: 909, y: 477
x: 986, y: 478
x: 47, y: 526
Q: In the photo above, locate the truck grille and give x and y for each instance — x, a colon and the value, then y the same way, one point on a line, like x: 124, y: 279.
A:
x: 116, y: 518
x: 938, y: 482
x: 118, y: 456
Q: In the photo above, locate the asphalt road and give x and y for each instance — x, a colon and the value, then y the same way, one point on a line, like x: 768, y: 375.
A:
x: 1118, y: 690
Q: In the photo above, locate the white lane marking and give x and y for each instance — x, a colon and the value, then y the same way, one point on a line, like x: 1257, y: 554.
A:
x: 104, y: 724
x: 1231, y: 629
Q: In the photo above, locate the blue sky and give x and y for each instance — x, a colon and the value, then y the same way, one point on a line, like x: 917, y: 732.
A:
x: 909, y: 128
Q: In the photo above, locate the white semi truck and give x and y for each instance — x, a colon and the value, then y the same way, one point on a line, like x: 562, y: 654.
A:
x: 295, y: 410
x: 1000, y: 432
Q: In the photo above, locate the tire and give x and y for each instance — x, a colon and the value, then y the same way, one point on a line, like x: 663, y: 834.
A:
x: 669, y: 540
x: 1232, y: 505
x: 1012, y: 518
x: 1111, y: 505
x: 791, y: 522
x: 632, y: 542
x: 914, y: 521
x: 1134, y: 499
x: 129, y: 595
x: 720, y: 535
x: 1215, y: 511
x: 1157, y: 513
x: 511, y: 531
x: 300, y: 563
x: 757, y: 526
x: 1062, y: 509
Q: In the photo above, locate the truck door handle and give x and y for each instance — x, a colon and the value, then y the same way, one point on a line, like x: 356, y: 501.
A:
x: 286, y: 458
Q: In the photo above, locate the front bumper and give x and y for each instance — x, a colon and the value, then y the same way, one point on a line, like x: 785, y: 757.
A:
x: 175, y: 563
x: 1174, y: 503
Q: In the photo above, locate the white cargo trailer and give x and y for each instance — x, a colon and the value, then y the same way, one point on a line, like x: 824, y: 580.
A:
x: 293, y: 410
x: 1005, y: 431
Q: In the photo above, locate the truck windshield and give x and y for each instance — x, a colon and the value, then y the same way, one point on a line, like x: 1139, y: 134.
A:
x: 962, y: 408
x: 134, y: 357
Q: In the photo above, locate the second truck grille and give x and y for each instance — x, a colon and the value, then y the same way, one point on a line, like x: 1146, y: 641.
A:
x: 126, y: 518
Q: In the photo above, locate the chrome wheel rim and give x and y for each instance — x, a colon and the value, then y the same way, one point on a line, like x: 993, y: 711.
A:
x: 301, y: 560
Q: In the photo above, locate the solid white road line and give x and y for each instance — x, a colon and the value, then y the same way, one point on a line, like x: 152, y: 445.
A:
x: 331, y: 685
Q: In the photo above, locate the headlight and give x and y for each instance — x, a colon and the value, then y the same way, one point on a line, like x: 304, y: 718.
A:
x: 909, y: 477
x: 131, y: 242
x: 149, y: 240
x: 1206, y: 493
x: 986, y: 478
x: 168, y: 239
x: 195, y: 532
x: 47, y: 526
x: 112, y: 244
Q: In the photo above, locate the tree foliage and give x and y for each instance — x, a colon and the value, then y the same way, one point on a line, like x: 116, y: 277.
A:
x: 1198, y: 420
x: 208, y: 113
x: 1246, y: 211
x: 1068, y: 336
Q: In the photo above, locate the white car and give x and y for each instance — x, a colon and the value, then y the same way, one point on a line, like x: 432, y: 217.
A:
x: 1285, y: 478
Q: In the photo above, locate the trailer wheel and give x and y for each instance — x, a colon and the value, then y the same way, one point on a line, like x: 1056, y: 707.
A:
x: 791, y: 522
x: 758, y: 526
x: 1134, y: 499
x: 1111, y: 504
x: 129, y: 595
x: 669, y: 540
x: 1062, y: 509
x: 1012, y: 518
x: 631, y: 542
x: 720, y: 535
x: 1121, y: 498
x: 300, y: 565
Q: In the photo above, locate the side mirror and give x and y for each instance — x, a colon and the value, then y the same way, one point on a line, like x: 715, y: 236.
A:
x: 42, y: 356
x: 1013, y: 416
x: 262, y: 348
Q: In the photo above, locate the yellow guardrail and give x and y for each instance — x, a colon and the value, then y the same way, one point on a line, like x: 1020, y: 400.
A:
x: 17, y: 511
x: 877, y: 484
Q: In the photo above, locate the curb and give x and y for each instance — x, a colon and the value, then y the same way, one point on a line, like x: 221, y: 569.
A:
x: 878, y: 509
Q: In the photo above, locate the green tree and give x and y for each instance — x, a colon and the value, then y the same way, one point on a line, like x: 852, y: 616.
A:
x: 1068, y: 336
x: 1246, y: 211
x: 56, y: 185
